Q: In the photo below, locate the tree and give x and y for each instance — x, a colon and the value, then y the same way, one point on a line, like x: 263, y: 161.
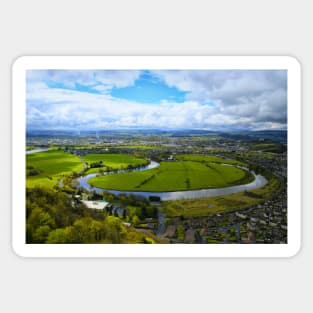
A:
x: 180, y: 233
x: 41, y: 233
x: 98, y: 230
x: 115, y: 230
x: 135, y: 219
x: 81, y: 230
x: 108, y: 196
x: 60, y: 235
x: 39, y: 224
x: 124, y: 213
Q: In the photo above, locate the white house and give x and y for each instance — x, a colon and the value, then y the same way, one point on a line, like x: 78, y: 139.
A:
x: 95, y: 205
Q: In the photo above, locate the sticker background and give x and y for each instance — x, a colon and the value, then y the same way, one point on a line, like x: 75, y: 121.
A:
x: 160, y: 28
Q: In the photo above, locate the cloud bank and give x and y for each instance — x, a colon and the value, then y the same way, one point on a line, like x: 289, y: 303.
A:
x: 214, y: 100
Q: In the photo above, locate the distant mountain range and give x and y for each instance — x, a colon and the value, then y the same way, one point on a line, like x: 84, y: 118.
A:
x: 274, y: 135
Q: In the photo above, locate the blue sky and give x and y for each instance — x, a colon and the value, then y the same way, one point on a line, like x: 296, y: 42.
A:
x: 148, y: 88
x: 197, y: 99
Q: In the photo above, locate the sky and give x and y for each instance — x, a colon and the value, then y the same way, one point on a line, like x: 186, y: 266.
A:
x: 218, y: 100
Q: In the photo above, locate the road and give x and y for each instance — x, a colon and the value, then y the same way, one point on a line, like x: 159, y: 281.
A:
x: 161, y: 223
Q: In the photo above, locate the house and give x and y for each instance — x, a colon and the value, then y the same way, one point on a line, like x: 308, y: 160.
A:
x: 243, y: 216
x: 190, y: 236
x: 95, y: 205
x: 170, y: 231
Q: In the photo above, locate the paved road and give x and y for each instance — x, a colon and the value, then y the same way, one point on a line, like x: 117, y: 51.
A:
x: 161, y: 224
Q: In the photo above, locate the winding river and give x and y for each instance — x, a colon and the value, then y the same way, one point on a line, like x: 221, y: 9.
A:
x: 36, y: 150
x: 258, y: 182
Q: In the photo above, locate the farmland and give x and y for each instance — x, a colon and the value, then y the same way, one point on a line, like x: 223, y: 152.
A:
x: 171, y: 176
x: 44, y: 169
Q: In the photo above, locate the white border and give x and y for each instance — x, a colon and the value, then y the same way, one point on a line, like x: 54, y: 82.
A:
x: 156, y: 62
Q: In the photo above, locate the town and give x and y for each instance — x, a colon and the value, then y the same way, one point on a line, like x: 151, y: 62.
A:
x: 252, y: 216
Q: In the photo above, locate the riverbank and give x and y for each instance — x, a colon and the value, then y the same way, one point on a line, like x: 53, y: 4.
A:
x: 258, y: 182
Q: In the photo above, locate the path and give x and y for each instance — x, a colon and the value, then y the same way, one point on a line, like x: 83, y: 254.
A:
x: 161, y: 224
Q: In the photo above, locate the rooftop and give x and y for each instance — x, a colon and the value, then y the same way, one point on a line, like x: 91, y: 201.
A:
x: 96, y: 205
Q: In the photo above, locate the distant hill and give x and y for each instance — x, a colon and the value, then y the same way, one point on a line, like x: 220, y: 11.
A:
x: 273, y: 135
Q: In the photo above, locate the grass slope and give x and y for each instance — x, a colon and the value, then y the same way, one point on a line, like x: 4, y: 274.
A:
x: 51, y: 166
x: 171, y: 176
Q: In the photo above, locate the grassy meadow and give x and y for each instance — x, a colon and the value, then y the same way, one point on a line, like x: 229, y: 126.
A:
x: 171, y: 176
x: 44, y: 169
x: 113, y: 161
x: 231, y: 202
x: 207, y: 159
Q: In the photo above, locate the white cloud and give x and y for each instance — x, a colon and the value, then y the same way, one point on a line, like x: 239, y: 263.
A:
x: 117, y: 78
x: 255, y: 95
x: 215, y: 100
x: 100, y: 80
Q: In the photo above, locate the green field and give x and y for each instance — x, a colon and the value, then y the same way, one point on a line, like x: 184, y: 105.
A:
x: 274, y: 147
x: 44, y: 169
x: 172, y: 176
x: 141, y: 147
x: 113, y: 161
x: 207, y: 159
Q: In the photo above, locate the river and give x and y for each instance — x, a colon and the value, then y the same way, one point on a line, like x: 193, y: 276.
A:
x: 258, y: 182
x: 36, y: 150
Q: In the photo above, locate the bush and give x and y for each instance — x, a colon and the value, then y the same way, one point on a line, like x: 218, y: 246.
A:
x: 34, y: 172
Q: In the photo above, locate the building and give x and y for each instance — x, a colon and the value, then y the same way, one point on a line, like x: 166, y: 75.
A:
x: 95, y: 205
